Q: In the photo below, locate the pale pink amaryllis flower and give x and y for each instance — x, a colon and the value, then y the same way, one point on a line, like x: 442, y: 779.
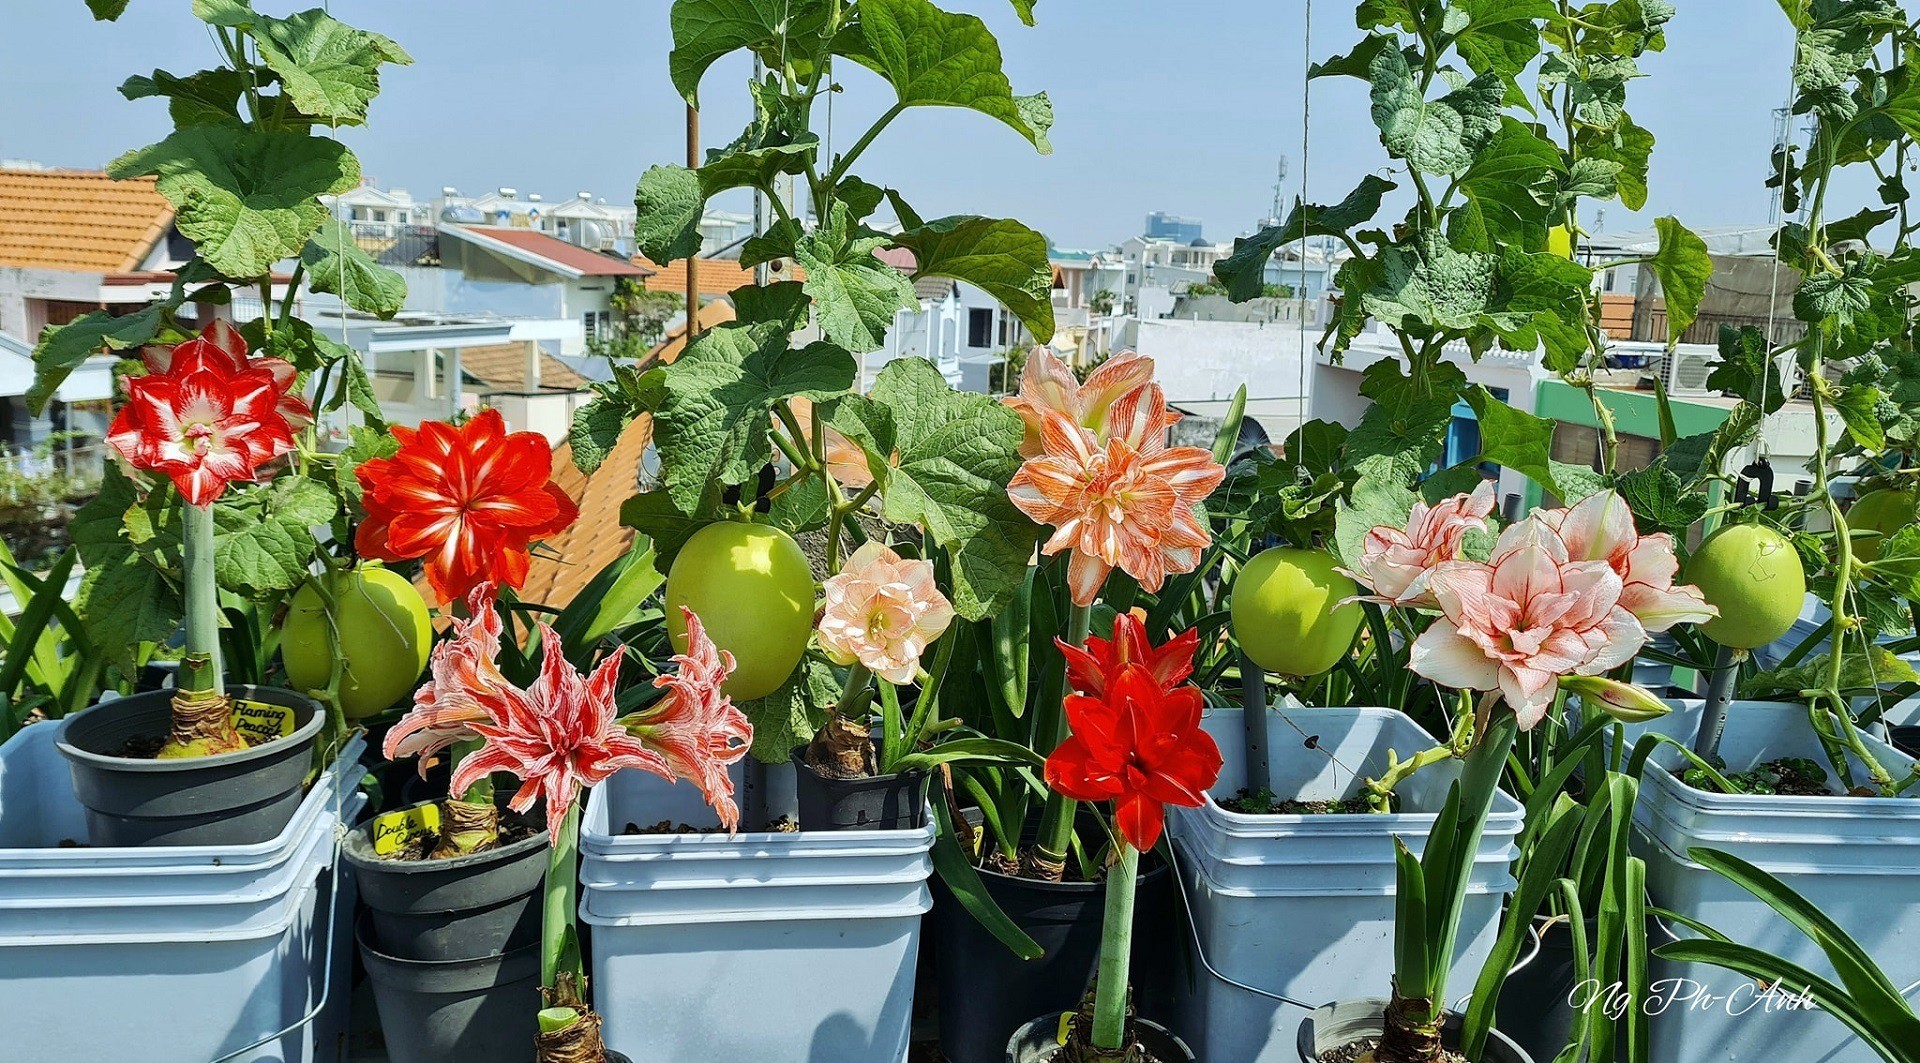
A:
x: 1600, y: 528
x: 558, y: 737
x: 462, y: 679
x: 1395, y: 563
x: 1523, y: 619
x: 1125, y: 502
x: 695, y: 725
x: 883, y: 611
x: 1047, y: 383
x: 846, y: 459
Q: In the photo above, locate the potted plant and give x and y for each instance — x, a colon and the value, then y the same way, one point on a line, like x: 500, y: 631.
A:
x: 1137, y: 743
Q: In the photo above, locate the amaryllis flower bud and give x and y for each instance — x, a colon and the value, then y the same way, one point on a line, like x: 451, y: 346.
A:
x: 1622, y: 701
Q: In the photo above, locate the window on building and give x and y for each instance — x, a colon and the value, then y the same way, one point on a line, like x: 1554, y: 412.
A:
x: 590, y: 324
x: 980, y: 327
x: 379, y: 215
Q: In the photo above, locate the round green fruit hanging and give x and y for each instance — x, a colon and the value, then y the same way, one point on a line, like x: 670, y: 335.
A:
x: 385, y: 638
x: 1753, y: 575
x: 751, y: 588
x: 1285, y: 612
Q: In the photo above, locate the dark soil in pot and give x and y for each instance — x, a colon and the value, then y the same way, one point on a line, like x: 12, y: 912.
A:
x: 1330, y: 1033
x: 481, y: 904
x: 482, y: 1010
x: 985, y: 992
x: 1907, y: 740
x: 866, y: 802
x: 1039, y: 1041
x: 238, y: 798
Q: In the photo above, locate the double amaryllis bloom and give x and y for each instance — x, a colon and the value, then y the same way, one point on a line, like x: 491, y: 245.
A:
x: 1089, y: 669
x: 1138, y: 742
x: 469, y: 499
x: 1047, y: 383
x: 1524, y: 619
x: 1117, y: 495
x: 206, y: 415
x: 1397, y: 562
x: 695, y: 725
x: 462, y: 681
x: 561, y: 735
x: 882, y: 611
x: 1600, y: 528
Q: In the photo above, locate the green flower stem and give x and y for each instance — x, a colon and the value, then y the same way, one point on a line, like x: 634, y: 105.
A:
x: 853, y: 692
x: 200, y: 671
x: 481, y: 792
x: 918, y: 727
x: 1116, y: 948
x: 1056, y: 822
x: 559, y: 902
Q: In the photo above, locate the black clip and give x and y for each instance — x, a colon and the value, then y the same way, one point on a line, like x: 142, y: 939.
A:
x: 1762, y: 471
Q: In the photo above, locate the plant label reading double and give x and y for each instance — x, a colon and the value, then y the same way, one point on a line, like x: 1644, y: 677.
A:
x: 394, y: 831
x: 258, y: 721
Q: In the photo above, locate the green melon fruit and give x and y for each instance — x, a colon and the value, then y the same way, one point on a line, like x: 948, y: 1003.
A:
x: 751, y: 588
x: 385, y: 637
x: 1752, y: 574
x: 1880, y: 514
x: 1284, y: 612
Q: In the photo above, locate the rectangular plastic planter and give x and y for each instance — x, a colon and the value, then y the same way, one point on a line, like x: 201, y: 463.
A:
x: 757, y: 947
x: 1857, y: 858
x: 1302, y: 905
x: 170, y: 953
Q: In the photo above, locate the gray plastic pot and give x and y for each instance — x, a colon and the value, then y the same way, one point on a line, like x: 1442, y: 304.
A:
x: 873, y: 802
x: 1335, y: 1025
x: 482, y: 1010
x: 452, y: 909
x: 1039, y: 1041
x: 232, y: 799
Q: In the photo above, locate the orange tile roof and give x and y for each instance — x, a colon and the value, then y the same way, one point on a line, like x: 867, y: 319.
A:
x: 78, y: 220
x: 504, y: 366
x: 717, y: 276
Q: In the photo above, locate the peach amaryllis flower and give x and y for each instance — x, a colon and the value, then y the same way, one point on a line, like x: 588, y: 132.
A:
x: 221, y: 345
x: 1089, y: 669
x: 1600, y: 528
x: 462, y: 676
x: 205, y: 422
x: 1523, y: 619
x: 695, y: 725
x: 1047, y: 383
x: 883, y: 611
x: 846, y: 460
x: 1125, y: 502
x: 1395, y: 563
x: 469, y: 499
x: 558, y: 736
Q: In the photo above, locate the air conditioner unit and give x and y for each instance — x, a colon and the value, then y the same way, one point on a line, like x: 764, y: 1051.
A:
x: 1686, y: 371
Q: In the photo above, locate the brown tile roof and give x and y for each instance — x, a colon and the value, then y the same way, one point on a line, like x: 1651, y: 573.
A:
x: 717, y: 276
x: 564, y: 256
x: 504, y: 366
x: 78, y: 220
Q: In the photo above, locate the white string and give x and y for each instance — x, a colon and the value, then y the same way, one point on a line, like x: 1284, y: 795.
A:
x: 1773, y: 286
x: 1302, y: 405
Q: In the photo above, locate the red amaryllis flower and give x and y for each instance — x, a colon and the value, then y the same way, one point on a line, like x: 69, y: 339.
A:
x: 1140, y: 747
x: 221, y: 346
x: 1123, y: 501
x: 695, y: 725
x: 463, y: 679
x: 558, y: 736
x: 205, y: 422
x: 1089, y: 669
x: 470, y: 499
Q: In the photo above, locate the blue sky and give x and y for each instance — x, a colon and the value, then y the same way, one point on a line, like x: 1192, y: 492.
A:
x: 1177, y: 105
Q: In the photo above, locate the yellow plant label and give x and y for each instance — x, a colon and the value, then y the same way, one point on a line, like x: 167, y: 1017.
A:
x: 1066, y: 1027
x: 257, y: 721
x: 393, y: 830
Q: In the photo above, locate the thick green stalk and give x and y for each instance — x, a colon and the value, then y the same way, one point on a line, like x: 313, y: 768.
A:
x: 1116, y: 948
x: 1056, y: 822
x: 560, y: 901
x: 201, y: 669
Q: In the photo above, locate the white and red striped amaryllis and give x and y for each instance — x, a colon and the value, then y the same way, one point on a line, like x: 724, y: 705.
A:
x: 207, y: 419
x: 461, y: 674
x: 558, y: 736
x: 222, y: 345
x: 695, y: 725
